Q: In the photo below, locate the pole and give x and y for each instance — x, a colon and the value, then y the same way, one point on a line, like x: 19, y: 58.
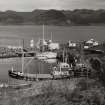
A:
x: 43, y: 32
x: 43, y: 38
x: 22, y: 56
x: 51, y: 36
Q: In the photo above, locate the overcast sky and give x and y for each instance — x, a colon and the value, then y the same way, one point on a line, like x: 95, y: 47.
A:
x: 29, y: 5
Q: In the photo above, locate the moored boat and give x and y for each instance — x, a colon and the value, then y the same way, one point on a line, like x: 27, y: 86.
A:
x: 15, y: 74
x: 62, y: 70
x: 46, y: 55
x: 29, y: 77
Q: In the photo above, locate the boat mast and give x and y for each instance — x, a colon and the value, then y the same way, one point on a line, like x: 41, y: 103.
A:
x: 43, y: 38
x: 82, y: 54
x: 43, y: 32
x: 22, y: 55
x: 51, y: 36
x: 64, y: 55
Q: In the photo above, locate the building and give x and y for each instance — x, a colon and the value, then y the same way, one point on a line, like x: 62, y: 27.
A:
x: 72, y: 44
x: 91, y: 43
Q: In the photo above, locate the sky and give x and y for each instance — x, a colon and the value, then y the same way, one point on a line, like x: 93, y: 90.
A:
x: 30, y: 5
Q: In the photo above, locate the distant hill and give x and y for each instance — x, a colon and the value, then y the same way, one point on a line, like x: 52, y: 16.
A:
x: 10, y: 17
x: 50, y: 17
x: 54, y: 17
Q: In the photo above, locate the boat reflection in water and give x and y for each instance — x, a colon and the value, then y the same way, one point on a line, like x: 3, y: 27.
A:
x: 46, y: 55
x: 50, y: 61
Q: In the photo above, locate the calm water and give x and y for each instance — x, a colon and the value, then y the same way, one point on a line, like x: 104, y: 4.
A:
x: 12, y: 34
x: 34, y: 66
x: 60, y: 34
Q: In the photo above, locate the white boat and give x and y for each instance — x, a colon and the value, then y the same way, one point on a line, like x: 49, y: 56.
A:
x: 50, y: 55
x: 41, y: 56
x: 50, y: 61
x: 45, y: 54
x: 62, y: 70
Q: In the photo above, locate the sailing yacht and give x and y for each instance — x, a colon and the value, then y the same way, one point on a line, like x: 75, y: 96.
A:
x: 44, y: 55
x: 18, y: 74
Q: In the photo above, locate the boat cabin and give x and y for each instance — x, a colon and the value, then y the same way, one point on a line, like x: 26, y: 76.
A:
x: 61, y: 70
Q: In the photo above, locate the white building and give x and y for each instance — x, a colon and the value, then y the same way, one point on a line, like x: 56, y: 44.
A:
x: 72, y: 44
x: 91, y: 43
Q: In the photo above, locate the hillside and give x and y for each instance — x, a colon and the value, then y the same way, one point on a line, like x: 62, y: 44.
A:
x: 54, y: 17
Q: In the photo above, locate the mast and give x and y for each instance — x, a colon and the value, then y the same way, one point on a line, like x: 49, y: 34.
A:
x: 81, y: 53
x: 51, y: 36
x: 43, y: 38
x: 43, y: 32
x: 63, y: 56
x: 22, y: 55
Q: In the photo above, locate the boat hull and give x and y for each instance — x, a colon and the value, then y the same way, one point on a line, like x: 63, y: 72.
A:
x: 15, y: 74
x: 30, y: 77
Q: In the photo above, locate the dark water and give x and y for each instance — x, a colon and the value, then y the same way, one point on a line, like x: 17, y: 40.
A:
x: 10, y: 35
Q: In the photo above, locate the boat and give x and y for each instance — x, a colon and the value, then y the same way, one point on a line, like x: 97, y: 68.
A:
x: 50, y: 55
x: 28, y: 76
x: 21, y: 75
x: 43, y: 55
x: 62, y: 70
x: 46, y: 55
x: 18, y: 74
x: 50, y: 61
x: 15, y: 74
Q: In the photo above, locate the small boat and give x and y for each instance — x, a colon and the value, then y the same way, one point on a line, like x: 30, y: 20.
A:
x: 15, y: 74
x: 41, y: 56
x: 29, y: 77
x: 82, y: 70
x: 46, y: 55
x: 62, y: 70
x: 50, y: 55
x: 50, y: 61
